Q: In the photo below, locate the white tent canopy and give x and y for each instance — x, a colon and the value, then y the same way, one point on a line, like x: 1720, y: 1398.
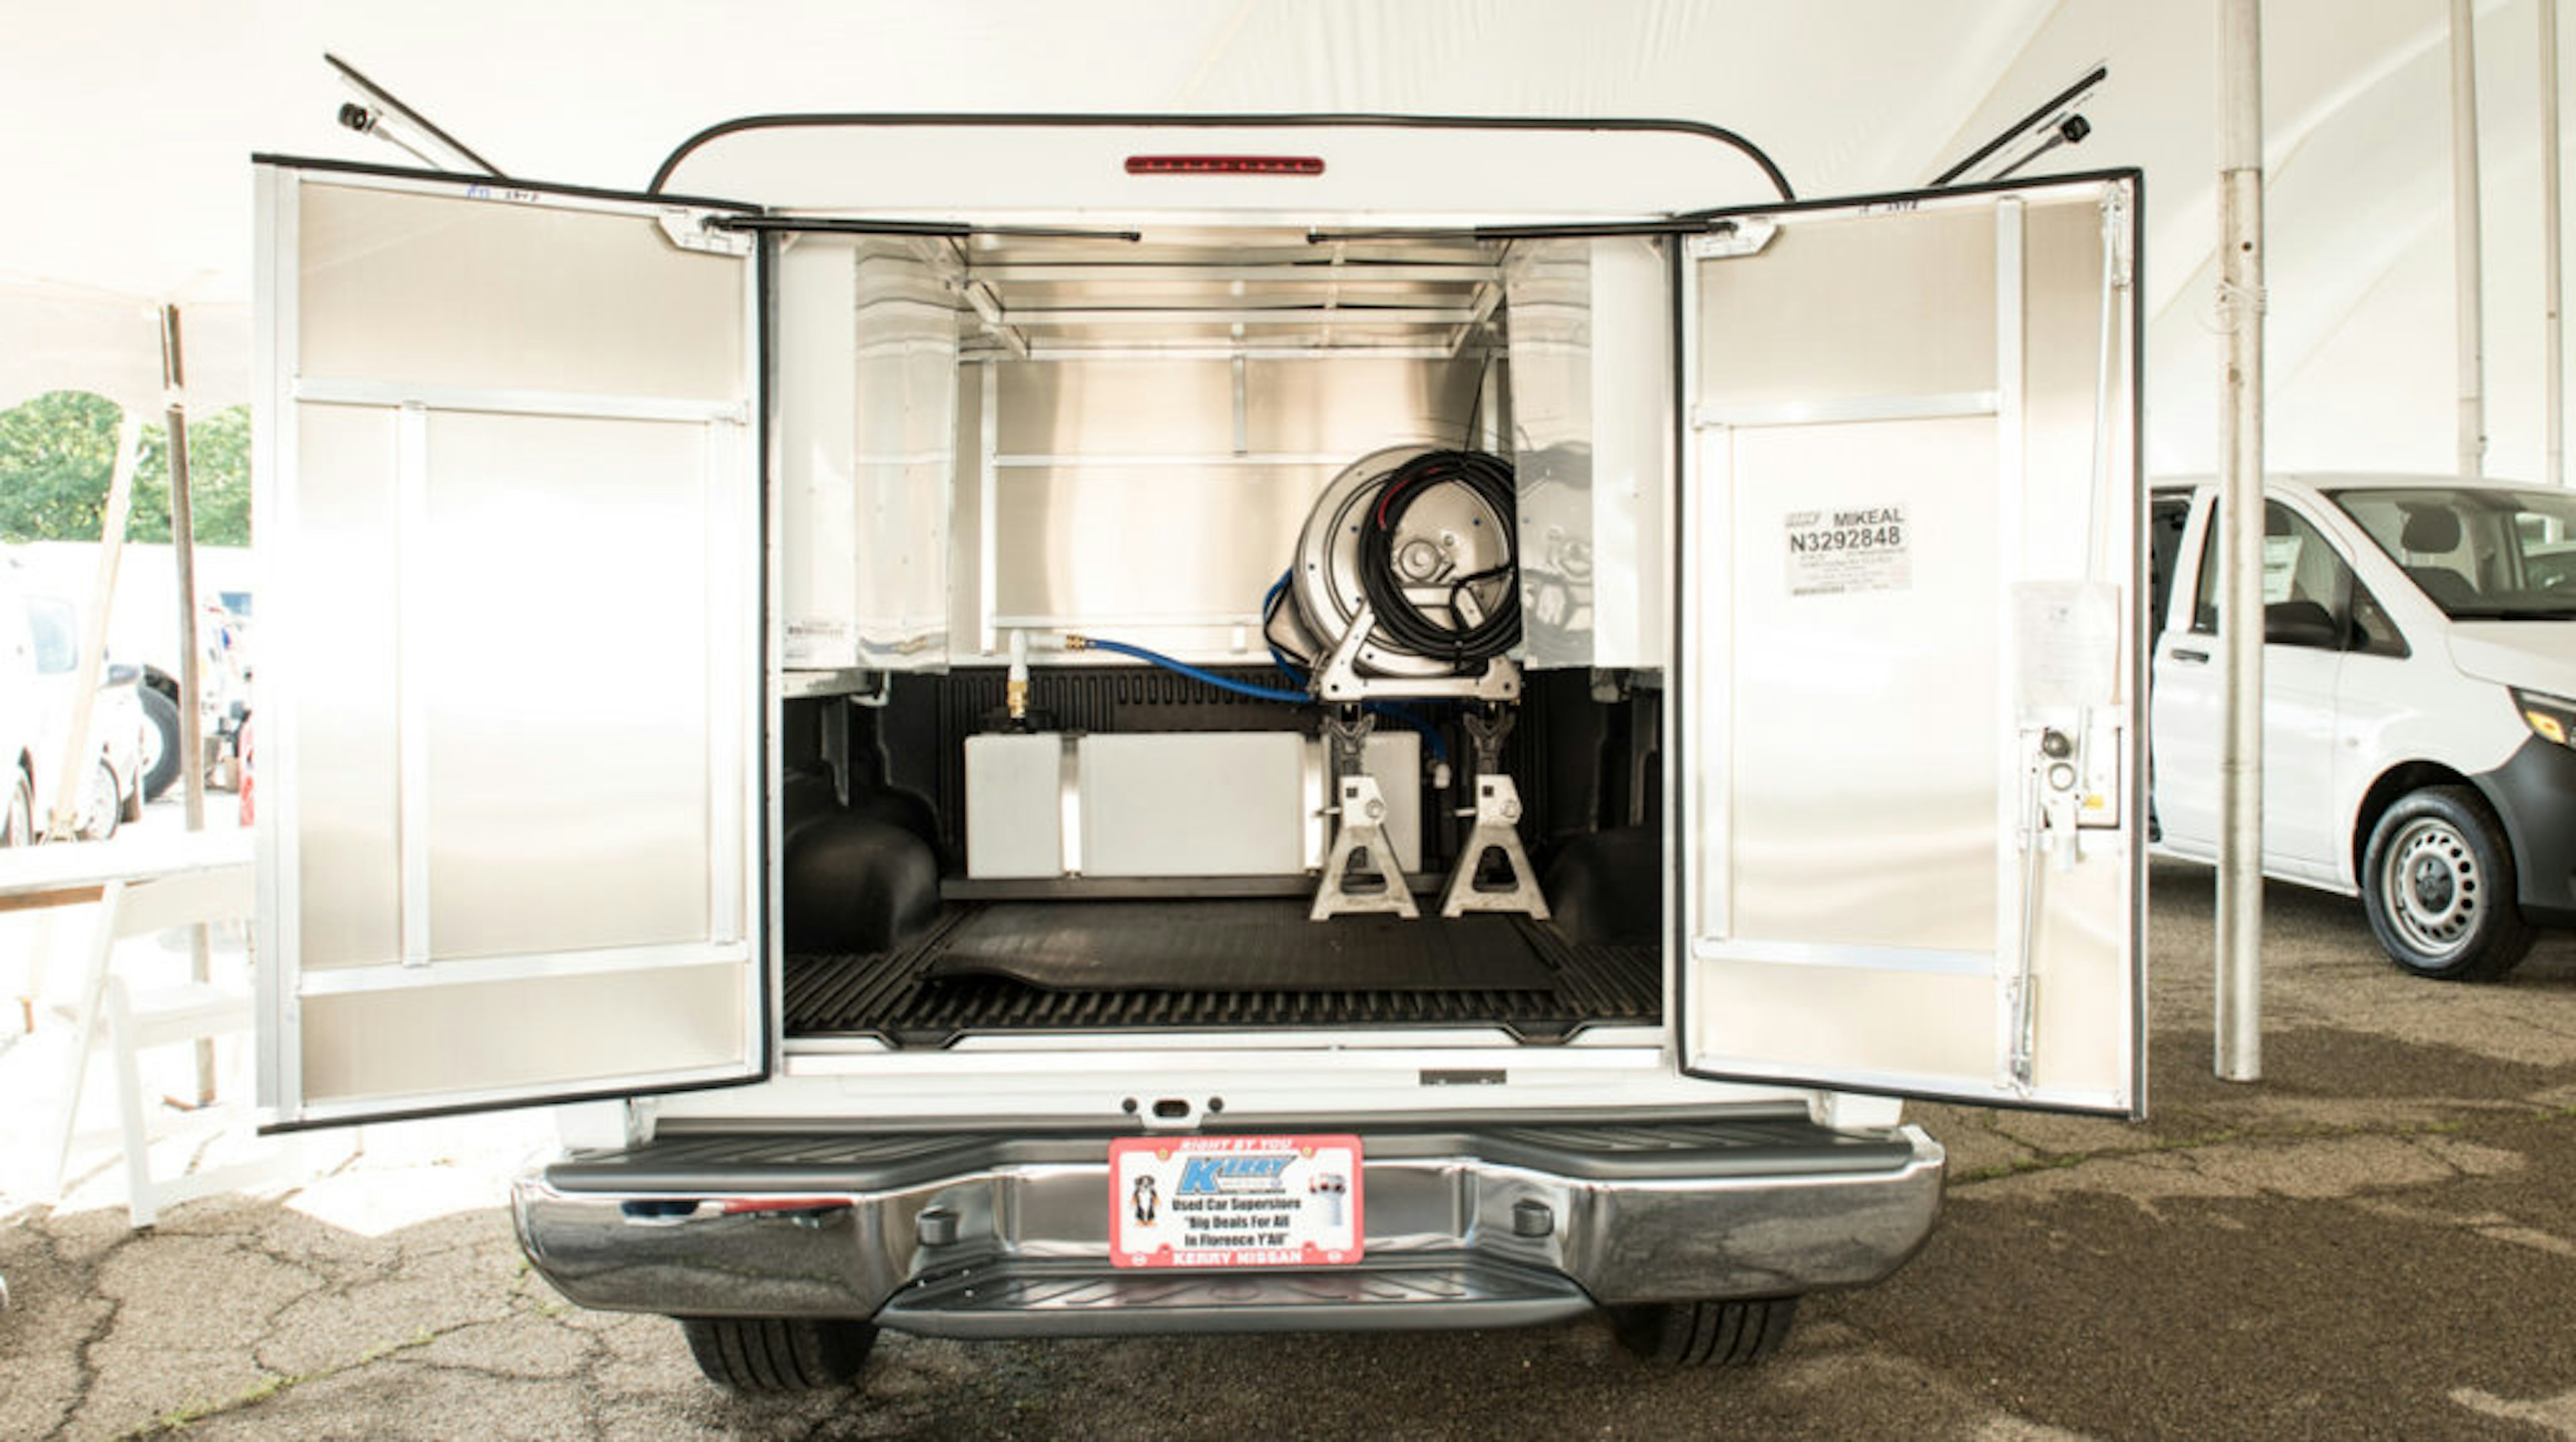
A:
x: 69, y: 338
x: 130, y: 126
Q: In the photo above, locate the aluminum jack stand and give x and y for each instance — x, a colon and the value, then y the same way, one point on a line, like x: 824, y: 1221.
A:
x: 1498, y: 814
x: 1362, y: 831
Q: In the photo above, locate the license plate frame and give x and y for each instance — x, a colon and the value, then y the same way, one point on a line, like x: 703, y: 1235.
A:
x: 1236, y: 1202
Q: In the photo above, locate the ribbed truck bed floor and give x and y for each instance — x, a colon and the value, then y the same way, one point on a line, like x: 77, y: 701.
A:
x: 1201, y: 965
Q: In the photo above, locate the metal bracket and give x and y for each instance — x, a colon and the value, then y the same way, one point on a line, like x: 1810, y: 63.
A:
x: 1486, y: 731
x: 948, y: 262
x: 1362, y: 829
x: 1340, y: 678
x: 688, y: 229
x: 835, y: 747
x: 1748, y: 236
x: 1346, y: 732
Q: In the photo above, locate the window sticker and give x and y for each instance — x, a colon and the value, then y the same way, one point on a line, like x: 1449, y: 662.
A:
x: 1849, y: 552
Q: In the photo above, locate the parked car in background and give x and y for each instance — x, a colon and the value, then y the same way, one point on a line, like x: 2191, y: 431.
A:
x: 143, y: 629
x: 39, y: 671
x: 2419, y: 664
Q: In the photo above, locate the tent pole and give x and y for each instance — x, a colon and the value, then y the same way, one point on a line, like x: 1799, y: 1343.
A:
x: 2239, y: 1047
x: 2465, y: 244
x: 2553, y: 341
x: 192, y: 748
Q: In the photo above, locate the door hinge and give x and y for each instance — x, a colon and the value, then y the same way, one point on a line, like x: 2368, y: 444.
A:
x: 1730, y: 238
x: 688, y: 229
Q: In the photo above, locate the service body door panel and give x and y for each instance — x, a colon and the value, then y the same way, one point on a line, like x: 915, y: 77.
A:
x: 1909, y: 701
x: 511, y: 747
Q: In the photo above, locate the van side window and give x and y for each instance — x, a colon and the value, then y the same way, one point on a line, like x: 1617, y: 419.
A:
x: 2307, y: 586
x: 57, y: 633
x: 2166, y: 518
x: 2373, y: 632
x: 2204, y: 595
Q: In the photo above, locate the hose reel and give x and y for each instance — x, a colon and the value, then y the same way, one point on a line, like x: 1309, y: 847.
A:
x: 1406, y: 580
x: 1406, y: 583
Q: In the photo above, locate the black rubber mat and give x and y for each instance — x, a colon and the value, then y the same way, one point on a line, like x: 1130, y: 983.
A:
x: 893, y: 996
x: 1243, y: 945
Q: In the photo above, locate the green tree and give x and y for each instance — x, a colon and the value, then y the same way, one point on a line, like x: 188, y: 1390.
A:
x: 58, y: 450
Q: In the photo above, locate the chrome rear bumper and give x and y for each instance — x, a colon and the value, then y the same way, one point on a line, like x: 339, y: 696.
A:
x: 991, y: 1236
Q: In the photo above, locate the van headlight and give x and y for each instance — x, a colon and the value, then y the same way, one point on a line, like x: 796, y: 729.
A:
x: 2550, y: 719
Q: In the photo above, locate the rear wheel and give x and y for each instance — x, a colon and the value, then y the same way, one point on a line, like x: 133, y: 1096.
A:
x: 778, y: 1354
x: 101, y: 808
x: 2438, y: 885
x: 1706, y: 1334
x: 160, y: 743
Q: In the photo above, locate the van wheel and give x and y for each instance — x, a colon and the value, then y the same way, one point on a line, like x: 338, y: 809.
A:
x: 160, y: 743
x: 2438, y: 886
x: 1706, y: 1334
x: 101, y: 808
x: 778, y: 1354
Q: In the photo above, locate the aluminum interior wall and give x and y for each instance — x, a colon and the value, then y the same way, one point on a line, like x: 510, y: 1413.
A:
x: 1591, y: 444
x: 866, y: 423
x: 1128, y: 502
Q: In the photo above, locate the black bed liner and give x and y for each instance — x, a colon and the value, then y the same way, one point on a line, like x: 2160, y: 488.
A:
x: 1242, y: 964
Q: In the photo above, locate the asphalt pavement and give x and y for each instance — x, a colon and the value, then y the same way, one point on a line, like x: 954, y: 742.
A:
x: 2375, y: 1240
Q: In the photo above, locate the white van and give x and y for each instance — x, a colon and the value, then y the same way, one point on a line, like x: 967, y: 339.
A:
x: 921, y: 687
x: 2419, y: 667
x: 40, y: 643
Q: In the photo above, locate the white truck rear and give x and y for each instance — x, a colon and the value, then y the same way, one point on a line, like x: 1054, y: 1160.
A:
x: 750, y: 732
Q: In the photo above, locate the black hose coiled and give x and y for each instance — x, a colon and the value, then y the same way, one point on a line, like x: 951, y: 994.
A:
x: 1404, y: 624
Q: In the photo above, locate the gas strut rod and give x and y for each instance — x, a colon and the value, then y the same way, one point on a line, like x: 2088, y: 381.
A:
x: 846, y: 225
x: 370, y: 121
x: 2057, y: 115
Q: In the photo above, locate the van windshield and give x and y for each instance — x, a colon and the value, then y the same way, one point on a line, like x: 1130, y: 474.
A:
x: 2481, y: 554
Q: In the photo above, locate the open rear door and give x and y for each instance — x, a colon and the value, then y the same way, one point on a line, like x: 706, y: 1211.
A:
x: 1907, y: 732
x: 509, y: 724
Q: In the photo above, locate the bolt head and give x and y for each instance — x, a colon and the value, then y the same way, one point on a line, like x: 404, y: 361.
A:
x: 1532, y: 1218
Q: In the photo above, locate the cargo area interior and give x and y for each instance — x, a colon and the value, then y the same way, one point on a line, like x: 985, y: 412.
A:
x: 1010, y: 463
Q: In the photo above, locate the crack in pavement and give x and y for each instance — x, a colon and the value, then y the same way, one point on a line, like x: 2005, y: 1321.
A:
x: 2556, y: 1414
x: 2495, y: 1117
x: 2496, y: 1225
x: 84, y: 1364
x: 282, y: 1383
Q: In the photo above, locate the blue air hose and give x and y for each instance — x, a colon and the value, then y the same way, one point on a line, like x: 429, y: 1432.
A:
x: 1157, y: 658
x: 1393, y: 711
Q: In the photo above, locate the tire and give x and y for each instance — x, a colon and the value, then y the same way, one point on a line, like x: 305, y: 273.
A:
x: 2438, y: 884
x: 778, y: 1354
x: 1706, y: 1334
x: 161, y: 747
x: 101, y: 807
x: 18, y: 823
